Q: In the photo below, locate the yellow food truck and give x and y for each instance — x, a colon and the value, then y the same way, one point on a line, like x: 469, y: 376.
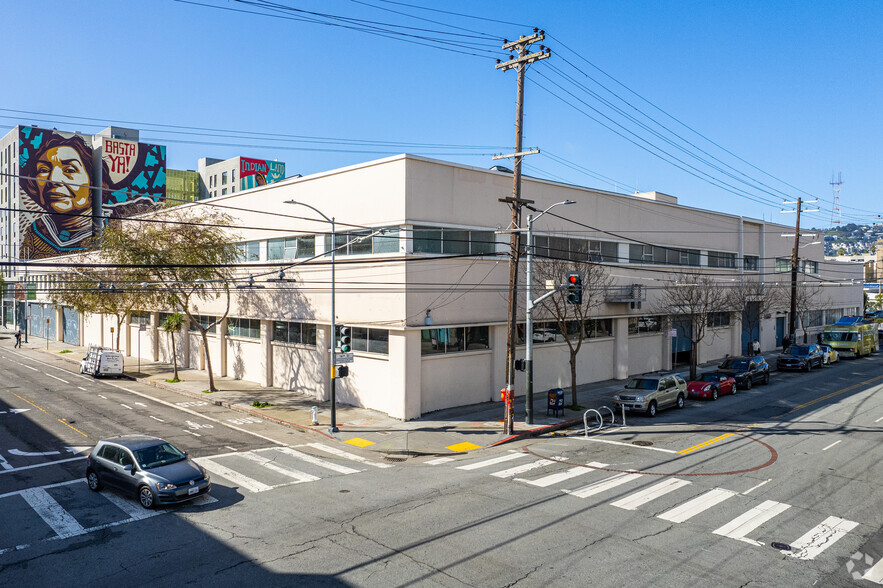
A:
x: 852, y: 336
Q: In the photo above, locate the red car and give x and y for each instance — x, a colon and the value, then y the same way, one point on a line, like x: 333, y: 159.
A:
x: 711, y: 385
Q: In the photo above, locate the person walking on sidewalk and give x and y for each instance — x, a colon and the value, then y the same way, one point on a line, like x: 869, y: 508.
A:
x: 17, y: 338
x: 755, y: 347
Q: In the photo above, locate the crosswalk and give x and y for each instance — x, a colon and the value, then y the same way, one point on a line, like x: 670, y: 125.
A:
x: 686, y: 499
x: 69, y: 509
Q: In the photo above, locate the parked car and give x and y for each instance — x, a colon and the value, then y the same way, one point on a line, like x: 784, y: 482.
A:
x: 801, y: 357
x: 746, y: 370
x: 544, y: 335
x: 711, y: 385
x: 830, y: 354
x: 150, y: 468
x: 652, y: 392
x: 102, y: 362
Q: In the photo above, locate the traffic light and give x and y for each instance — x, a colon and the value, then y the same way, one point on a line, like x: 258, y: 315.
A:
x: 574, y: 288
x: 344, y: 339
x: 520, y: 365
x: 343, y: 371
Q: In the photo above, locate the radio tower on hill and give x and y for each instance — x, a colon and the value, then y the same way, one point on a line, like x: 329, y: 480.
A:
x: 836, y: 217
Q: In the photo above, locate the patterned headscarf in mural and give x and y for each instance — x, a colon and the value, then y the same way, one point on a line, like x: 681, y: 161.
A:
x: 56, y: 179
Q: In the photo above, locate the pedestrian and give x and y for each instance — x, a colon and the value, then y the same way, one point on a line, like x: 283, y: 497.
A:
x: 786, y: 342
x: 17, y: 338
x: 819, y: 338
x: 755, y: 347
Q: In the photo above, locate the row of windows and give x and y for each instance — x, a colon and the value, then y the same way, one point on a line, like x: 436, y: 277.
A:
x: 454, y: 340
x: 576, y: 249
x: 361, y: 243
x: 453, y: 241
x: 291, y: 247
x: 805, y: 266
x: 301, y: 333
x: 718, y: 319
x: 662, y: 255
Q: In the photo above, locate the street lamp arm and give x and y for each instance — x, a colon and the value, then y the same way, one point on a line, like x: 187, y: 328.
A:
x: 311, y: 207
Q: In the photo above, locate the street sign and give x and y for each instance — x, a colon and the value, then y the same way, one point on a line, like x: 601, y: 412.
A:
x: 343, y: 357
x: 673, y: 333
x: 142, y: 327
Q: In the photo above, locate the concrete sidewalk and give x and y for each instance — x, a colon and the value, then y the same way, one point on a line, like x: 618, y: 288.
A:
x: 443, y: 432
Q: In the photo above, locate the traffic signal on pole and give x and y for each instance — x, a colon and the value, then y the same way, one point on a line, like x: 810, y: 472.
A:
x: 520, y: 365
x: 344, y: 339
x: 574, y: 288
x: 343, y: 371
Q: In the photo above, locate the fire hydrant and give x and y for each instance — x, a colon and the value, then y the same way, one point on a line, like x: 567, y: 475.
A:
x: 315, y: 413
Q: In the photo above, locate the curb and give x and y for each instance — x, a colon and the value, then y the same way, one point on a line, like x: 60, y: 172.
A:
x: 538, y: 431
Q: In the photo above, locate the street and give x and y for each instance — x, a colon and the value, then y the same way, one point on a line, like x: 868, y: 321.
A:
x: 777, y: 485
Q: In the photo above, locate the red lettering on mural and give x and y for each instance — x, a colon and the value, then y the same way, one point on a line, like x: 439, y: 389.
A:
x: 125, y: 148
x: 119, y: 165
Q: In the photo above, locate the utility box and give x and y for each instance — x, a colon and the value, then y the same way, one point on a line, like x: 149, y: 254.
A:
x: 556, y: 401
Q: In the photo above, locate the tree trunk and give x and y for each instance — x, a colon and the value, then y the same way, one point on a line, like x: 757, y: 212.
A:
x: 119, y: 332
x: 174, y: 354
x: 573, y: 399
x: 208, y: 361
x: 694, y: 357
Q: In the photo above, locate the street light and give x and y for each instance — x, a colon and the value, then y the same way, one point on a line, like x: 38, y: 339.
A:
x: 528, y: 356
x: 333, y: 428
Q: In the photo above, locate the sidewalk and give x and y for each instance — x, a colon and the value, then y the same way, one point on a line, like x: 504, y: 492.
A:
x: 443, y: 432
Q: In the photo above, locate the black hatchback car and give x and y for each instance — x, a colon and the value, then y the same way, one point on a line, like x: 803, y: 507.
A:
x: 150, y: 468
x: 747, y: 370
x: 801, y: 357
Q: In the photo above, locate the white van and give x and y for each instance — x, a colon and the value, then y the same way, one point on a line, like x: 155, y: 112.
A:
x: 102, y: 362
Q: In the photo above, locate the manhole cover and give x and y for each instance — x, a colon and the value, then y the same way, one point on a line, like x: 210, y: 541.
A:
x: 642, y: 443
x: 395, y: 457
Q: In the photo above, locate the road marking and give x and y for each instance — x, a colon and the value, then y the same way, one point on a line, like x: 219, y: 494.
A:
x: 42, y: 465
x: 464, y: 446
x: 102, y: 396
x: 233, y: 476
x: 230, y: 448
x: 341, y: 453
x: 157, y: 419
x: 126, y: 406
x: 831, y: 445
x: 565, y: 475
x: 753, y: 488
x: 66, y: 424
x: 52, y: 513
x: 141, y: 404
x: 878, y: 420
x: 30, y: 368
x: 820, y: 538
x: 633, y: 501
x: 603, y: 485
x: 439, y: 460
x: 314, y: 460
x: 57, y: 378
x: 29, y: 402
x: 15, y: 410
x: 691, y: 508
x: 493, y: 461
x: 135, y: 511
x: 4, y: 464
x: 268, y: 463
x: 831, y: 395
x: 21, y: 453
x: 527, y: 467
x: 625, y: 444
x: 81, y: 388
x: 875, y: 574
x: 192, y: 433
x: 705, y: 444
x: 749, y: 521
x: 359, y: 442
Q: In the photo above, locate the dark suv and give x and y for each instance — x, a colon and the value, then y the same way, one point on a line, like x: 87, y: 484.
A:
x: 801, y: 357
x: 747, y: 370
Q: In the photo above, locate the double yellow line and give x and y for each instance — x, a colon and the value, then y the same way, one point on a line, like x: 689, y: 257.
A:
x: 704, y: 444
x: 62, y: 421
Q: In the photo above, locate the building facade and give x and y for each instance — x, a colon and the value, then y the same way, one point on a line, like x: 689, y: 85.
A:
x: 425, y: 299
x: 223, y: 177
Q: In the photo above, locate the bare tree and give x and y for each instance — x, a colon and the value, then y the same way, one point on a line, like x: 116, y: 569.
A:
x: 754, y: 299
x: 573, y: 320
x: 809, y: 299
x: 693, y: 298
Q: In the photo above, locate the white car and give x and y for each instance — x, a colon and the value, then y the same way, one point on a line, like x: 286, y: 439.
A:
x: 543, y: 336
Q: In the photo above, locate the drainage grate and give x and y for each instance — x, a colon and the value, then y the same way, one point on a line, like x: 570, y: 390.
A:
x: 642, y: 443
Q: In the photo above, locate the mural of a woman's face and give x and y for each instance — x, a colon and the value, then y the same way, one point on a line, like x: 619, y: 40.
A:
x: 63, y: 180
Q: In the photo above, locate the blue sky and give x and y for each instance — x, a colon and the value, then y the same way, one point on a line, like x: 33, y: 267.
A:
x: 782, y: 94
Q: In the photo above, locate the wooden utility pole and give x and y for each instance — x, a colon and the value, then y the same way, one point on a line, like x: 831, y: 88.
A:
x: 518, y: 63
x: 795, y: 259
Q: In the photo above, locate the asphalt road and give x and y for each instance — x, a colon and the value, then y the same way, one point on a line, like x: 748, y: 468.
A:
x: 695, y: 496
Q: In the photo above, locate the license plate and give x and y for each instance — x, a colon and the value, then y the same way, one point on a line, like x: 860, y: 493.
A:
x: 192, y: 491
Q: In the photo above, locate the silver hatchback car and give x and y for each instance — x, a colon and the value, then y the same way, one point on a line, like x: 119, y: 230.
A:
x: 150, y: 468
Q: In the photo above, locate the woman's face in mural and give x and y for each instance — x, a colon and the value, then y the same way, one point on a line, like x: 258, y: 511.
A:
x: 63, y: 180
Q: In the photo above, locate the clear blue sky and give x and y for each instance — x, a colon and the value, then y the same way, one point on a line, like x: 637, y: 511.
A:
x: 792, y: 88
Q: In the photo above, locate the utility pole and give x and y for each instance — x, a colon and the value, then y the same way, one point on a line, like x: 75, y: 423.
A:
x: 792, y: 315
x: 519, y: 63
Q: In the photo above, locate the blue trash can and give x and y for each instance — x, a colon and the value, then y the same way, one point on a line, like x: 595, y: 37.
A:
x: 556, y: 401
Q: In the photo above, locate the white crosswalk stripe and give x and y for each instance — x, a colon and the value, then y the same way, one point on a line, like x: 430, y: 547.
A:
x: 603, y: 485
x: 526, y: 467
x: 232, y: 475
x: 821, y: 537
x: 691, y: 508
x: 270, y: 465
x: 346, y: 455
x: 342, y: 469
x: 642, y: 497
x: 875, y: 574
x: 739, y: 527
x: 565, y: 475
x: 494, y: 461
x: 54, y: 515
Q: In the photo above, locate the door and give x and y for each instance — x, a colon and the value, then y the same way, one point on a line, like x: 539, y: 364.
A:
x: 107, y: 464
x: 681, y: 345
x: 780, y: 330
x: 70, y: 326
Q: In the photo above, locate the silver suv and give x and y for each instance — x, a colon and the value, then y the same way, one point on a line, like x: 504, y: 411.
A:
x: 150, y: 468
x: 652, y: 392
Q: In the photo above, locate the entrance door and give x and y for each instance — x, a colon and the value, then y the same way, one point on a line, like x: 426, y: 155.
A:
x: 750, y: 327
x: 780, y: 330
x: 681, y: 345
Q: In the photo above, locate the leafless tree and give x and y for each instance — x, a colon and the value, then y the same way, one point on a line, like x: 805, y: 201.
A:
x: 754, y: 299
x: 693, y: 298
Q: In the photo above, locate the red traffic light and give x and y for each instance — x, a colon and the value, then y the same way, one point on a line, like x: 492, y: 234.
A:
x: 572, y: 278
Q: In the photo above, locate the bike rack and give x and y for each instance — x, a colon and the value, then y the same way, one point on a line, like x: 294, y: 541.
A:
x: 612, y: 415
x: 586, y: 421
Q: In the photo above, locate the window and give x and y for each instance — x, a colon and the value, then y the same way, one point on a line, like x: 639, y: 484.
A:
x: 750, y: 263
x: 833, y: 315
x: 598, y: 328
x: 809, y: 267
x: 291, y: 247
x: 813, y: 318
x: 224, y: 179
x: 288, y: 332
x: 453, y: 241
x: 718, y: 319
x: 721, y: 259
x: 223, y: 191
x: 644, y: 324
x: 370, y: 340
x: 603, y: 251
x: 454, y: 340
x: 783, y: 264
x: 350, y: 244
x: 240, y: 327
x: 250, y: 251
x: 204, y: 321
x: 138, y: 317
x: 639, y: 253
